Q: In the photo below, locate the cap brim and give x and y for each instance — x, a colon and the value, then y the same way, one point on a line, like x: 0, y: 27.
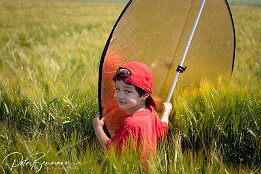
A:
x: 151, y: 102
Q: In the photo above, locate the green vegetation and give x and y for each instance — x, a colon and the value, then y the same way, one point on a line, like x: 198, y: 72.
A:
x: 245, y: 2
x: 49, y: 57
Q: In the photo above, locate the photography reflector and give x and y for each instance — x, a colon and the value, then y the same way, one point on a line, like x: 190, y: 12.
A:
x: 156, y: 33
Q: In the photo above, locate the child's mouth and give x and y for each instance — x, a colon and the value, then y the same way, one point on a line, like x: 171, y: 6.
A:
x: 121, y: 102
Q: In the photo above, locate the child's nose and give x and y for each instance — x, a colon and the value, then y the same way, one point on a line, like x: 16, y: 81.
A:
x: 120, y: 95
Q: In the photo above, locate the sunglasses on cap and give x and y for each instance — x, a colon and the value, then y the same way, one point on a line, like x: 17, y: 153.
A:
x: 122, y: 73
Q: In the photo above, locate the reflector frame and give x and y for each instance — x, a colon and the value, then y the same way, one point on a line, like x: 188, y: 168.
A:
x: 155, y: 33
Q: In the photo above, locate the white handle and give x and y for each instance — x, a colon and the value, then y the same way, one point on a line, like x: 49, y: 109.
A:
x: 185, y: 52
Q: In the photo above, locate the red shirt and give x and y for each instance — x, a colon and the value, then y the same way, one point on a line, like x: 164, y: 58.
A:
x: 144, y: 126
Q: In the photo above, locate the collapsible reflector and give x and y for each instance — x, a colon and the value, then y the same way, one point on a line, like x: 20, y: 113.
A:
x: 155, y: 33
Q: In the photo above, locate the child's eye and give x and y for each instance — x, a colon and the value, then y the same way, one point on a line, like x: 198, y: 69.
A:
x: 128, y: 92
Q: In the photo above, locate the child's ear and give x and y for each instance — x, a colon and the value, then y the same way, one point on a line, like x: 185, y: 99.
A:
x: 145, y: 96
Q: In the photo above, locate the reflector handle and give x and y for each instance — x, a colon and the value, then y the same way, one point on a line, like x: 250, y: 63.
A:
x: 185, y: 52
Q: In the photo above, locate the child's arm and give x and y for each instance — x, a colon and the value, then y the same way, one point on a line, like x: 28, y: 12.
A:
x: 98, y: 128
x: 166, y: 109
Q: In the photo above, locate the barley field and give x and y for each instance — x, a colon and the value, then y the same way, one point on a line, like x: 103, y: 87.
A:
x: 49, y: 57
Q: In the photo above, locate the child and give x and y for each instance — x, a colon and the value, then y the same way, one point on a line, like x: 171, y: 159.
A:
x: 133, y: 88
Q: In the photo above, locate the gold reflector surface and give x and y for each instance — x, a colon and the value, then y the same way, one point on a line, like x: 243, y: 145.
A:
x: 155, y: 33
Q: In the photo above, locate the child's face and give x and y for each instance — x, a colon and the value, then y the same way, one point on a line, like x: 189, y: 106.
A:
x: 128, y: 98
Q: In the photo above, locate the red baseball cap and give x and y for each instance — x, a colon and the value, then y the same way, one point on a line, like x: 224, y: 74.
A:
x: 140, y: 76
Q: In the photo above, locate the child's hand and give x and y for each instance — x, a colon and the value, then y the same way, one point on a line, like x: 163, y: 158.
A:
x: 97, y: 122
x: 166, y: 109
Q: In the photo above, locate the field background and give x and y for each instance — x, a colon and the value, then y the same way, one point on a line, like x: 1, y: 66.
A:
x: 49, y: 58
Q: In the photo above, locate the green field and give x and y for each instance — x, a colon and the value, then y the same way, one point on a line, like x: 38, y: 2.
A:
x: 49, y: 58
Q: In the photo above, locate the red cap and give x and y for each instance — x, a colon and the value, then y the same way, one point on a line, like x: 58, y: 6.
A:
x: 142, y: 77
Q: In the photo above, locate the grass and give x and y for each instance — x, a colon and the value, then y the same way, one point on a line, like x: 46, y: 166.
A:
x: 245, y: 2
x: 49, y: 59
